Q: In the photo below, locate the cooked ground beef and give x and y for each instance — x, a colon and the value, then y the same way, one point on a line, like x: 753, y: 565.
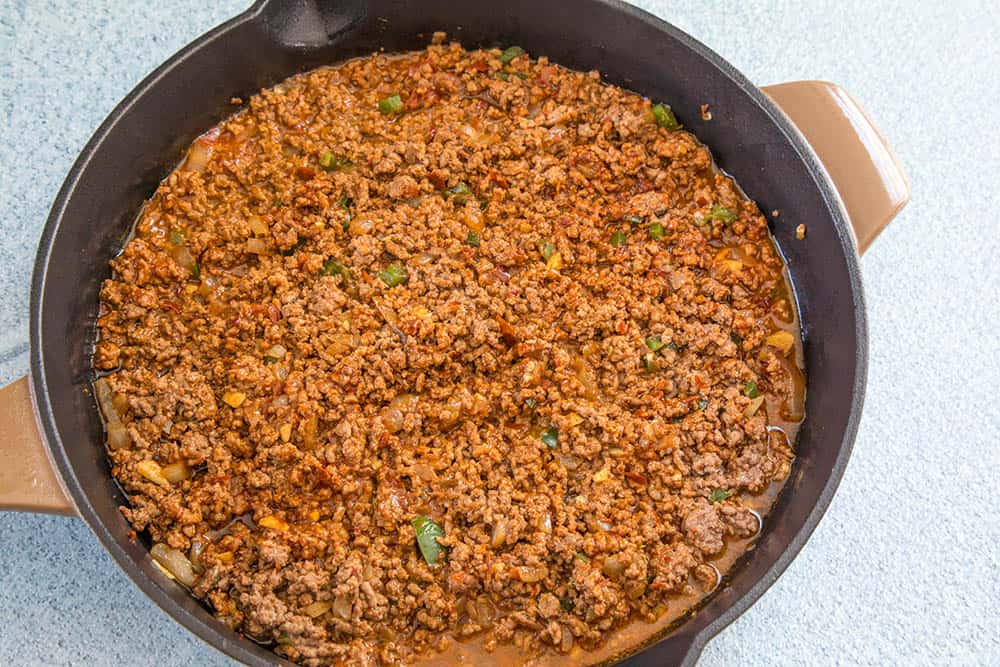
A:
x: 484, y: 297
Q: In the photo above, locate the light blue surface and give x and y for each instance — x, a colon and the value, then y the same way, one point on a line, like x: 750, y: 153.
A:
x: 904, y: 567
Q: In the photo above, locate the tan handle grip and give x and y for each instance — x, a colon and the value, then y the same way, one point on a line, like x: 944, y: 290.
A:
x: 27, y: 479
x: 863, y: 168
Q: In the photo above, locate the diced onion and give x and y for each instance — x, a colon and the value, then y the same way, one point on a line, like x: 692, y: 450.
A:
x: 482, y: 611
x: 274, y: 523
x: 183, y: 256
x: 474, y: 218
x: 529, y: 574
x: 152, y: 471
x: 613, y: 567
x: 635, y: 589
x: 194, y: 555
x: 568, y: 461
x: 199, y: 155
x: 176, y: 472
x: 234, y: 399
x: 341, y: 343
x: 754, y: 406
x: 118, y: 437
x: 120, y: 403
x: 783, y: 340
x: 277, y: 352
x: 424, y: 472
x: 567, y: 639
x: 256, y: 246
x: 103, y: 393
x: 555, y: 262
x: 361, y: 226
x: 208, y: 287
x: 794, y: 391
x: 317, y: 608
x: 309, y: 428
x: 342, y: 607
x: 394, y: 414
x: 175, y: 563
x: 452, y: 411
x: 257, y: 225
x: 499, y: 533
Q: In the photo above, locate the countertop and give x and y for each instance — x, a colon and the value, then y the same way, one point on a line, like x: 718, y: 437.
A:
x: 904, y: 567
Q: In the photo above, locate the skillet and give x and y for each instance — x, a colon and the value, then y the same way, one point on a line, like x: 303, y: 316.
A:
x: 805, y: 151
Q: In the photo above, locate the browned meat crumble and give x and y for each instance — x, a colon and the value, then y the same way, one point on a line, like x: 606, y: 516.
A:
x: 474, y: 297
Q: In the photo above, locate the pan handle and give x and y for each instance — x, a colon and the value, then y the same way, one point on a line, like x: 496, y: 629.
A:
x: 860, y: 163
x: 28, y: 481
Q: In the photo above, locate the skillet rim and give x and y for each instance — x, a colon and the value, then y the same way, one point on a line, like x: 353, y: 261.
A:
x: 245, y: 650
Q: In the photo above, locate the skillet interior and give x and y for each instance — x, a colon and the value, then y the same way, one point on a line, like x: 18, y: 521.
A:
x: 144, y: 138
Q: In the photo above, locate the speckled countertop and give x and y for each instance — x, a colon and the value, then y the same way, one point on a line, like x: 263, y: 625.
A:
x: 904, y: 568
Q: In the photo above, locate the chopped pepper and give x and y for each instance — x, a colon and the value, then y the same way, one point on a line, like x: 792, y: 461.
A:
x: 427, y: 531
x: 394, y: 275
x: 665, y: 117
x: 510, y: 53
x: 391, y: 105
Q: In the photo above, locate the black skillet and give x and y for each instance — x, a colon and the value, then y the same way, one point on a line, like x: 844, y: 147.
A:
x: 145, y: 136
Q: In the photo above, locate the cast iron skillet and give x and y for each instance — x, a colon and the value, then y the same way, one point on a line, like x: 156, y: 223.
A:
x: 144, y: 137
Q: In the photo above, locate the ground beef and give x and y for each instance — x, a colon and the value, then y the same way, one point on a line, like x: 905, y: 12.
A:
x: 502, y: 296
x: 703, y: 528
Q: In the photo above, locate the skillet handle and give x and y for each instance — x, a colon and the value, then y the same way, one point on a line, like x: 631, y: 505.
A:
x: 860, y: 163
x: 28, y: 481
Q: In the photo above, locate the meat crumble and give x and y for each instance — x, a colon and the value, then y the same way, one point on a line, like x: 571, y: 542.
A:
x: 448, y: 348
